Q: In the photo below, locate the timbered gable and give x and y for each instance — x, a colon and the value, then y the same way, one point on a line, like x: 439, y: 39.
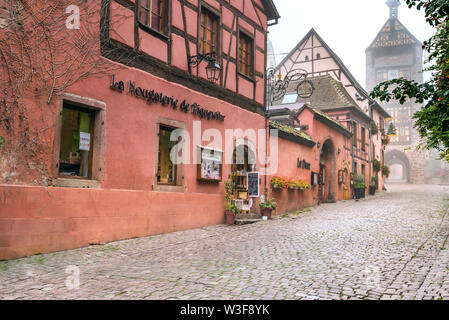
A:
x: 393, y: 34
x: 314, y: 56
x: 235, y: 30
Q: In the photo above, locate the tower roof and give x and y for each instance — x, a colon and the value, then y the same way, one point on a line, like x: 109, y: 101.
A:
x: 393, y: 33
x: 393, y: 5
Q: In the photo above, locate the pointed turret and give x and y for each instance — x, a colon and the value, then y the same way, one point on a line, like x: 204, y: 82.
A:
x: 393, y: 5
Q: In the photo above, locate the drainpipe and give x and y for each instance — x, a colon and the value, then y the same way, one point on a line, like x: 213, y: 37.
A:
x: 372, y: 156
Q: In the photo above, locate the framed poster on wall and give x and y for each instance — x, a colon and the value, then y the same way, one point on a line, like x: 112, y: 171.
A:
x: 210, y: 166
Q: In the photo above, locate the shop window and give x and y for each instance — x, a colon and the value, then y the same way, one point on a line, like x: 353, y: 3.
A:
x: 76, y: 148
x: 245, y: 55
x: 167, y: 170
x: 208, y: 32
x: 153, y: 14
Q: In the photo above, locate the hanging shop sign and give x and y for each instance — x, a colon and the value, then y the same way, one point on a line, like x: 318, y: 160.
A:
x: 303, y: 164
x: 152, y: 96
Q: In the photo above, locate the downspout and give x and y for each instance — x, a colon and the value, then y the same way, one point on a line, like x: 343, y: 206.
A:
x: 372, y: 156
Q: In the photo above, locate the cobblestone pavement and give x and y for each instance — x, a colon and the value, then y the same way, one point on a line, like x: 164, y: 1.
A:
x: 391, y: 246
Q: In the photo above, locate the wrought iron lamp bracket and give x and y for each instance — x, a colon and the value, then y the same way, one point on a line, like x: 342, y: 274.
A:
x: 196, y: 60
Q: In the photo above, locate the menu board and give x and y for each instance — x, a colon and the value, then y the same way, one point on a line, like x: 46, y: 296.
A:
x: 210, y: 167
x: 253, y: 184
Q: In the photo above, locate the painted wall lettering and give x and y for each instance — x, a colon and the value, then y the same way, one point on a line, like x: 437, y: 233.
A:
x: 152, y: 96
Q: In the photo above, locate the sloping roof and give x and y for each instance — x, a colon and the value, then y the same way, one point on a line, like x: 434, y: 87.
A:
x: 393, y: 34
x: 319, y: 115
x: 328, y: 93
x: 292, y: 134
x: 272, y: 12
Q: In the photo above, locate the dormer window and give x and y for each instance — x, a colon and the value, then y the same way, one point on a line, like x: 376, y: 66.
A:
x: 290, y: 98
x: 153, y: 13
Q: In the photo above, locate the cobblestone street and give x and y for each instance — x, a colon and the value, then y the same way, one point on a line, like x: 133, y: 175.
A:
x: 391, y: 246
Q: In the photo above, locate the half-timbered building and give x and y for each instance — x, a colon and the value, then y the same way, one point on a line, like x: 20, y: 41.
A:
x: 173, y: 70
x: 320, y: 79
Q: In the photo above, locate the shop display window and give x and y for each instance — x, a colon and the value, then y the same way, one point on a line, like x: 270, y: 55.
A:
x: 75, y: 159
x: 167, y: 169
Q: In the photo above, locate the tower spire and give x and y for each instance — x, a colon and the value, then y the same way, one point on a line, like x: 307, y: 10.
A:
x: 393, y: 5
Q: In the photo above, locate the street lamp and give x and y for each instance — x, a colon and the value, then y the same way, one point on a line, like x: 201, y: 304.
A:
x: 213, y: 68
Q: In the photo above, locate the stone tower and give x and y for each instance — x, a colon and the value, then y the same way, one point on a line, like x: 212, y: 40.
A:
x: 396, y: 53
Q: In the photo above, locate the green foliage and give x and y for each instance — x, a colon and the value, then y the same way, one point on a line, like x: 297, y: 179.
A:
x: 432, y: 121
x: 374, y: 181
x: 360, y: 181
x: 2, y: 141
x: 385, y: 171
x: 268, y: 204
x: 391, y: 130
x: 231, y: 206
x: 228, y: 191
x: 376, y: 165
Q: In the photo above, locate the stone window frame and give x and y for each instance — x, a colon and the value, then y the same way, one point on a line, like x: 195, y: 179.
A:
x: 180, y: 186
x: 99, y: 146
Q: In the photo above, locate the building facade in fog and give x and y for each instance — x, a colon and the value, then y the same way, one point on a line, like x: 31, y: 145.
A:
x: 396, y: 53
x: 337, y: 93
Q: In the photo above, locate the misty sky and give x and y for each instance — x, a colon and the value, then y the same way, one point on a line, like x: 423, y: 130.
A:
x: 347, y: 26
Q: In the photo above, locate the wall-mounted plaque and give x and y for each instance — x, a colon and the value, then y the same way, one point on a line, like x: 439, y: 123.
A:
x: 210, y: 167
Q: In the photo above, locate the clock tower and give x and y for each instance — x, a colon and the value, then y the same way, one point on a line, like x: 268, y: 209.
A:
x: 396, y: 53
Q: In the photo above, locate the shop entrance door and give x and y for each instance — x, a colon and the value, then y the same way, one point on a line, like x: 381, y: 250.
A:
x: 346, y: 185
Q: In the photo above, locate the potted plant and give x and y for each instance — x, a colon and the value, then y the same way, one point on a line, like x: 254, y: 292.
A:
x: 267, y: 207
x: 294, y: 185
x: 373, y: 186
x: 304, y: 185
x: 385, y: 171
x: 231, y: 212
x: 279, y: 183
x: 360, y: 186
